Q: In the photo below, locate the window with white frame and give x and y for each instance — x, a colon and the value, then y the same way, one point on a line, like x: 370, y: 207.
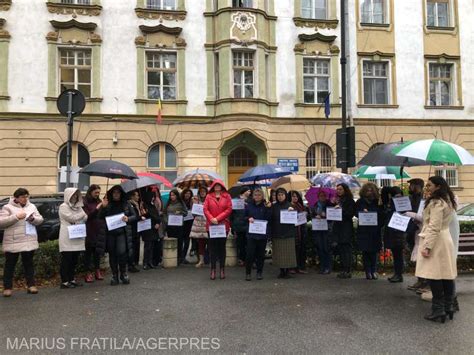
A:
x: 441, y: 84
x: 314, y: 9
x: 242, y: 3
x: 75, y: 70
x: 448, y: 172
x: 374, y: 11
x: 376, y: 83
x: 162, y: 159
x: 319, y: 159
x: 243, y: 66
x: 161, y: 75
x: 437, y: 13
x: 315, y: 80
x: 76, y: 2
x: 161, y: 4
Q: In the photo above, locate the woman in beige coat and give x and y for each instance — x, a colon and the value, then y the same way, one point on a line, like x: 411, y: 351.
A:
x: 18, y: 218
x: 70, y: 213
x: 436, y: 261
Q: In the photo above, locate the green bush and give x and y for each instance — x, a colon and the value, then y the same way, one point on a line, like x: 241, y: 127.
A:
x: 467, y: 226
x: 46, y: 261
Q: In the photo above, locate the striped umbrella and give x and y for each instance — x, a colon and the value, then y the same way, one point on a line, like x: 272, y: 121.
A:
x: 435, y: 151
x: 381, y: 172
x: 194, y: 178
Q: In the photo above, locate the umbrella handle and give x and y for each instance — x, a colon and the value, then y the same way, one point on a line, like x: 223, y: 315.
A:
x: 107, y: 186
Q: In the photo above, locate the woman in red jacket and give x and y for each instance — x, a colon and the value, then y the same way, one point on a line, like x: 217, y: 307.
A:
x: 217, y: 209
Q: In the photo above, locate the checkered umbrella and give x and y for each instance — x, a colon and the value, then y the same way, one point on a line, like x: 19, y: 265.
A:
x: 194, y: 178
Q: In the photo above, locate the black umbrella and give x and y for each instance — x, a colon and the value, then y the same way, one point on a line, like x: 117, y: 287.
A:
x: 383, y: 156
x: 142, y: 181
x: 110, y: 169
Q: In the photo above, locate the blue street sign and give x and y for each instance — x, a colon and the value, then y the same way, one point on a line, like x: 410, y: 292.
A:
x: 292, y: 164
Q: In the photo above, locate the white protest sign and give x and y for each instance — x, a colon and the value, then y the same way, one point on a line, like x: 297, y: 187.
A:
x: 188, y: 217
x: 144, y: 225
x: 238, y: 204
x: 334, y: 214
x: 319, y: 224
x: 301, y: 219
x: 217, y: 231
x: 421, y: 208
x: 399, y: 222
x: 402, y: 204
x: 77, y: 231
x: 175, y: 220
x: 198, y: 209
x: 258, y: 227
x: 368, y: 219
x: 115, y: 221
x: 30, y: 229
x: 288, y: 217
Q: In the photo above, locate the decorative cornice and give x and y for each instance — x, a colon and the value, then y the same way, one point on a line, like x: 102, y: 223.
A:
x: 377, y: 106
x: 316, y: 37
x: 4, y: 34
x: 160, y: 14
x: 86, y: 26
x: 73, y: 9
x: 378, y: 25
x: 236, y: 100
x: 443, y: 55
x: 303, y: 104
x: 436, y: 28
x: 5, y: 5
x: 240, y: 43
x: 4, y: 97
x: 246, y: 9
x: 427, y: 107
x: 314, y: 23
x: 376, y: 53
x: 164, y: 102
x: 176, y: 31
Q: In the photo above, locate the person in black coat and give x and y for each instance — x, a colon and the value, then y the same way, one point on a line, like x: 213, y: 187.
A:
x: 369, y: 238
x: 256, y: 209
x: 393, y: 239
x: 134, y: 255
x: 321, y: 238
x: 187, y: 198
x: 118, y: 241
x: 150, y: 236
x: 343, y: 231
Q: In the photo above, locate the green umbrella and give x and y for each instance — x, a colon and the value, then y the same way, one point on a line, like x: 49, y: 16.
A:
x: 381, y: 172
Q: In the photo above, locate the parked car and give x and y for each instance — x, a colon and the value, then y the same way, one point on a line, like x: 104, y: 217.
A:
x: 48, y: 207
x: 466, y: 213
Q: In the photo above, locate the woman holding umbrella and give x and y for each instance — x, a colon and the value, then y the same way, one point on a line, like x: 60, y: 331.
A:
x: 175, y: 207
x: 283, y: 236
x: 118, y: 240
x: 342, y: 231
x: 217, y: 209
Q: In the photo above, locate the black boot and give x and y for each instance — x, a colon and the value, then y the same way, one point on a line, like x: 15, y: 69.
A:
x: 437, y: 311
x: 455, y: 304
x: 123, y: 275
x: 133, y: 268
x: 114, y: 281
x: 449, y: 306
x: 396, y: 278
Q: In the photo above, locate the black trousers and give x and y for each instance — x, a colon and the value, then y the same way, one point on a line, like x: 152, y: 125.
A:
x: 186, y: 240
x: 345, y: 252
x: 68, y: 265
x: 300, y: 245
x: 398, y: 262
x: 370, y: 261
x: 148, y: 252
x: 10, y: 262
x: 135, y: 254
x: 158, y: 251
x: 117, y: 248
x: 255, y: 252
x: 443, y: 291
x: 241, y: 245
x: 217, y: 251
x: 91, y: 259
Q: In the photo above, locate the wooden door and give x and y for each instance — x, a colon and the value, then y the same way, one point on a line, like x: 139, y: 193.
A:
x: 239, y: 161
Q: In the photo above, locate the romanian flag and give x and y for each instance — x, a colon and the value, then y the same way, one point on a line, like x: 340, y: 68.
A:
x: 158, y: 115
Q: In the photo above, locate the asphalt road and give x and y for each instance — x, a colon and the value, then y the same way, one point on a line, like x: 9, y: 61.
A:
x: 162, y: 309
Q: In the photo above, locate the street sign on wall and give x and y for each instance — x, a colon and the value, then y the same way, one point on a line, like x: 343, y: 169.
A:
x: 291, y: 164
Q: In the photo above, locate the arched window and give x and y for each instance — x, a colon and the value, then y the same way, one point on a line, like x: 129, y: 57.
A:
x: 162, y: 159
x: 319, y: 159
x: 80, y: 158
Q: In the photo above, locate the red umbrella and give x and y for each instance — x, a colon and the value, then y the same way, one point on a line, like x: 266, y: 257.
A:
x: 160, y: 178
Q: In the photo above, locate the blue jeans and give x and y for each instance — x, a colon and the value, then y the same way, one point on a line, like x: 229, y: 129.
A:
x: 321, y: 240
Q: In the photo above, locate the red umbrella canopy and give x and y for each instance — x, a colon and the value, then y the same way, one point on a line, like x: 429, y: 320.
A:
x: 157, y: 177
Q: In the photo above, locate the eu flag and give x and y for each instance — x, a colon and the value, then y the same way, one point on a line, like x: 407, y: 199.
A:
x: 327, y: 106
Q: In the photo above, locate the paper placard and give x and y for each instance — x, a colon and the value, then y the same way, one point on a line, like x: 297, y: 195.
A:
x: 217, y: 231
x: 77, y: 231
x: 30, y: 229
x: 258, y: 227
x: 175, y: 220
x: 288, y: 217
x: 188, y: 217
x: 319, y: 224
x: 301, y: 218
x: 238, y: 204
x: 421, y: 208
x: 402, y: 204
x: 368, y: 219
x: 144, y: 225
x: 334, y: 214
x: 115, y: 221
x: 399, y: 222
x: 198, y: 209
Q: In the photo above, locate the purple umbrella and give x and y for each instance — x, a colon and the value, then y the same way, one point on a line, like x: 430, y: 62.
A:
x: 312, y: 195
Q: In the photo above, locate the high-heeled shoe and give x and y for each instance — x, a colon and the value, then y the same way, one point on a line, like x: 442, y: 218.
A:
x: 436, y: 317
x: 437, y: 311
x: 213, y: 274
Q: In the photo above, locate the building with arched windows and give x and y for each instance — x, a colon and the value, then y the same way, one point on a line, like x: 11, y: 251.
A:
x: 241, y: 83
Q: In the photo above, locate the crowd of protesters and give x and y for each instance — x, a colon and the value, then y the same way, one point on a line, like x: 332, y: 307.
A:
x: 429, y: 235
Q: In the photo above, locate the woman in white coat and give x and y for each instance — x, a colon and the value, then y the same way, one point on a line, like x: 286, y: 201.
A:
x: 18, y: 218
x: 70, y: 213
x: 436, y: 260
